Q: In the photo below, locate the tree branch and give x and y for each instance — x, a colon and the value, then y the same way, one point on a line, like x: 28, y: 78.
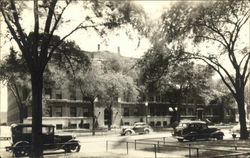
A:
x: 35, y: 39
x: 218, y: 71
x: 214, y: 39
x: 246, y: 78
x: 45, y: 39
x: 23, y: 37
x: 246, y: 65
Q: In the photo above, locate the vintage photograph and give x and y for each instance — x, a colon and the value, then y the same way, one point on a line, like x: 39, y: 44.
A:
x: 124, y: 79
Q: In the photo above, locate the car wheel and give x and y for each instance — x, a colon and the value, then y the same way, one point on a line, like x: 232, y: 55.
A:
x: 128, y: 133
x: 220, y: 137
x: 193, y: 138
x: 20, y: 150
x: 146, y: 131
x: 75, y: 147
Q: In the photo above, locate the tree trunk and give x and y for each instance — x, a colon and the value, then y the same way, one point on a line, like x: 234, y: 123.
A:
x: 37, y: 87
x: 242, y: 115
x: 93, y: 118
x: 109, y: 118
x: 21, y: 115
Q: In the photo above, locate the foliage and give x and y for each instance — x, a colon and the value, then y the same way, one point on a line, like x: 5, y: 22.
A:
x: 36, y: 50
x: 106, y: 82
x: 219, y: 24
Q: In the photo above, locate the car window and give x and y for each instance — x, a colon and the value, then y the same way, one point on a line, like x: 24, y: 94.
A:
x: 204, y: 126
x: 47, y: 130
x: 192, y: 125
x: 26, y: 130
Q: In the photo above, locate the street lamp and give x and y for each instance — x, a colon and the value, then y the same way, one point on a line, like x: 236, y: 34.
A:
x: 146, y: 105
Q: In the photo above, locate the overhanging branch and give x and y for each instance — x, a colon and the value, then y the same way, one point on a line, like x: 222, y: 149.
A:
x: 218, y: 71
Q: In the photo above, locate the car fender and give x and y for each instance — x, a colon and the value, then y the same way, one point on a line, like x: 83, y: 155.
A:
x: 190, y: 134
x: 21, y: 142
x: 72, y: 141
x: 217, y: 133
x: 132, y: 131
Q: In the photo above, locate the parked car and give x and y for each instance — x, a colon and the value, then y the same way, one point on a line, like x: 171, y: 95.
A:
x: 21, y: 136
x: 193, y: 130
x: 139, y: 128
x: 235, y: 131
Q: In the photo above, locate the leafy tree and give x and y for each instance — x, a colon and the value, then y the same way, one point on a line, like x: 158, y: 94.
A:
x: 91, y: 86
x: 36, y: 50
x: 13, y: 73
x: 181, y: 80
x: 106, y: 83
x: 116, y: 85
x: 219, y: 24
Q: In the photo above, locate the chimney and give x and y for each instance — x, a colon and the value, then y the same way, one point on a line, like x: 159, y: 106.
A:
x: 98, y: 47
x: 118, y: 50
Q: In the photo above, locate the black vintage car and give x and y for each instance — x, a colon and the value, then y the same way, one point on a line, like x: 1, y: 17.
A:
x: 193, y: 130
x: 22, y: 139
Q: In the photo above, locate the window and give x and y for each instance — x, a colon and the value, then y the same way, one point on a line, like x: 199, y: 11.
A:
x: 72, y: 126
x: 58, y: 94
x: 126, y: 123
x: 72, y: 111
x: 151, y: 98
x: 85, y: 112
x: 126, y: 112
x: 165, y: 123
x: 190, y: 111
x: 58, y: 126
x: 136, y: 112
x: 73, y: 95
x: 27, y: 130
x: 58, y: 111
x: 50, y: 111
x: 152, y: 123
x: 158, y: 123
x: 86, y: 125
x: 158, y: 98
x: 152, y: 111
x: 47, y: 130
x: 48, y: 93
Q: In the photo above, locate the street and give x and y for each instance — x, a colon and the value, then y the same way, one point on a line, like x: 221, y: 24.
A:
x: 97, y: 146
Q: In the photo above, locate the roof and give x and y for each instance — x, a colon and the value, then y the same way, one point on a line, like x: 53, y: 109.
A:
x: 193, y: 121
x: 198, y: 121
x: 28, y: 125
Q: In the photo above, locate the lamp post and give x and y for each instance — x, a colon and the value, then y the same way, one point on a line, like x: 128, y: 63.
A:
x: 146, y: 105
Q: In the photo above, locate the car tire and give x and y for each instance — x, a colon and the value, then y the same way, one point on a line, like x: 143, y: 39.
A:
x: 127, y: 133
x: 21, y: 150
x: 220, y: 137
x: 75, y: 147
x: 146, y: 131
x: 193, y: 139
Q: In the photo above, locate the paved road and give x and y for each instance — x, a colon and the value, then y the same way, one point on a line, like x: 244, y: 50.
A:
x: 95, y: 146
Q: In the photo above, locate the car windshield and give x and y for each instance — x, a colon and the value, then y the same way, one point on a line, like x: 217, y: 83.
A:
x: 139, y: 124
x: 28, y: 130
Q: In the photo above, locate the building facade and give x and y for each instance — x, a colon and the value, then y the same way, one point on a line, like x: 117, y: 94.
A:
x: 64, y: 108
